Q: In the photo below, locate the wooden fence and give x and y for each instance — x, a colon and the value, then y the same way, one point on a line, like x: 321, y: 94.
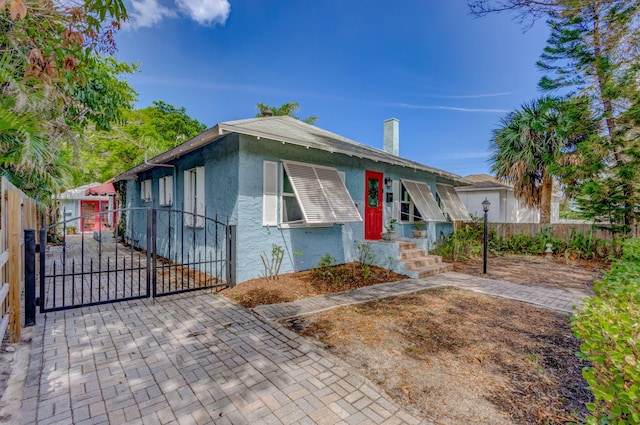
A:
x: 17, y: 212
x: 559, y: 230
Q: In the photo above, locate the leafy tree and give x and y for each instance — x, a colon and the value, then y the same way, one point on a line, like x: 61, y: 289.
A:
x: 148, y: 131
x: 593, y: 50
x: 593, y: 54
x: 289, y: 109
x: 49, y: 56
x: 525, y: 149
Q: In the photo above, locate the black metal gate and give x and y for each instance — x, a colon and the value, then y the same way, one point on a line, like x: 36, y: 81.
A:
x: 134, y: 253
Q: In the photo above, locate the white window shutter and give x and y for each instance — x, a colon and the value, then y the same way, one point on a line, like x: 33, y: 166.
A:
x: 161, y: 192
x: 340, y: 202
x: 452, y: 203
x: 395, y: 211
x: 422, y: 197
x: 200, y: 197
x: 168, y: 190
x: 322, y: 196
x: 269, y: 193
x: 188, y: 199
x: 145, y: 190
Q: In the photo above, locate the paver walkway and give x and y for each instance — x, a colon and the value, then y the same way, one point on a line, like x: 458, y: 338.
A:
x: 554, y: 299
x: 190, y: 359
x: 200, y: 359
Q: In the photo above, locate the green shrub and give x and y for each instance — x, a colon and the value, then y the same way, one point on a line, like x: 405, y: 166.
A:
x: 461, y: 245
x: 609, y: 327
x: 467, y: 242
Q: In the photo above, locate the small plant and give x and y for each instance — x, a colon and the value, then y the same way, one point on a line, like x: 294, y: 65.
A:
x: 71, y: 230
x: 297, y: 254
x: 323, y: 270
x: 391, y: 226
x: 365, y: 256
x: 272, y: 265
x: 419, y: 225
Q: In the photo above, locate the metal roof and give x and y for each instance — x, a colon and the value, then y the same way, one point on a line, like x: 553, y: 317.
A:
x: 288, y: 130
x: 80, y: 192
x: 485, y: 181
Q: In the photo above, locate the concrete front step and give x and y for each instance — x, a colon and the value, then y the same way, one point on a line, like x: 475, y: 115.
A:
x: 434, y: 269
x: 411, y: 253
x: 406, y: 245
x: 418, y: 264
x: 423, y: 261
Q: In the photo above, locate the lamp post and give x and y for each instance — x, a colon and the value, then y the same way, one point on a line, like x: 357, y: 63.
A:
x: 485, y: 207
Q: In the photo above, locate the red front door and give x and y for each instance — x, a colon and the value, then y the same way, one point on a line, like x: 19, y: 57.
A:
x: 91, y: 218
x: 373, y: 205
x: 88, y: 210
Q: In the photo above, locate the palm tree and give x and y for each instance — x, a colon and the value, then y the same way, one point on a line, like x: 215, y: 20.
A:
x: 526, y: 148
x: 289, y: 108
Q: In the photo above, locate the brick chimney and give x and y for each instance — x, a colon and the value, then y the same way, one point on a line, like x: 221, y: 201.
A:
x: 392, y: 136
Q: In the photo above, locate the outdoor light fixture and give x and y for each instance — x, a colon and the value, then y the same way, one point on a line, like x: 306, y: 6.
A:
x: 485, y: 207
x: 388, y: 182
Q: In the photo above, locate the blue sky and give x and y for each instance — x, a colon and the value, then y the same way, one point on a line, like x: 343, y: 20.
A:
x: 447, y: 76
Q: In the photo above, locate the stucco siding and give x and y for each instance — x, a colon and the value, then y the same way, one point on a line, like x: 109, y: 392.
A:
x: 505, y: 207
x: 220, y: 162
x: 69, y: 209
x: 305, y: 246
x: 233, y: 175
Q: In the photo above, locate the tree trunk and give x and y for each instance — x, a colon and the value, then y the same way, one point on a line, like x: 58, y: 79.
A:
x: 545, y: 200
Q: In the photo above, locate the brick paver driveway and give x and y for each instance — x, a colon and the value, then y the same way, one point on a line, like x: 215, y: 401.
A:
x: 189, y: 359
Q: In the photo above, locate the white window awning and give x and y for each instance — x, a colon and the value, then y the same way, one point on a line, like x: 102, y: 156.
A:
x: 452, y: 203
x: 321, y: 194
x: 422, y: 198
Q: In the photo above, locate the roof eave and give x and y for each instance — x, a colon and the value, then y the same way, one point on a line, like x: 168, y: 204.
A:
x: 226, y: 128
x: 190, y: 145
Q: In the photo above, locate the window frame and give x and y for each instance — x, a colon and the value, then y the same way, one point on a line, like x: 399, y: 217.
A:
x: 290, y: 195
x: 165, y: 191
x: 194, y: 197
x: 146, y: 190
x: 415, y: 216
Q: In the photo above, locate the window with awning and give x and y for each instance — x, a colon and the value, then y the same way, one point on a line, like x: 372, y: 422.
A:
x: 423, y: 199
x: 321, y: 194
x: 452, y: 203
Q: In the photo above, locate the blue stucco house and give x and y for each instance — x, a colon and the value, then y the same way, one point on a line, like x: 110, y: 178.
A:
x: 312, y: 192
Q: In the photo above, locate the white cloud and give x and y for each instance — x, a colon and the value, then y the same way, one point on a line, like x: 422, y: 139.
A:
x: 148, y: 13
x: 206, y: 12
x: 448, y: 108
x: 472, y: 96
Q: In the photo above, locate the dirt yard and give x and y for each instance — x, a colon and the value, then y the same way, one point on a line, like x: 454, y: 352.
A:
x: 456, y: 357
x: 295, y: 286
x: 573, y: 276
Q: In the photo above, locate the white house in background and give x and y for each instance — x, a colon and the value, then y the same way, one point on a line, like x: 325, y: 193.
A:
x: 505, y: 208
x: 87, y: 207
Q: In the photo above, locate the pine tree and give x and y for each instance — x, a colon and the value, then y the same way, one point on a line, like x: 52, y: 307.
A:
x: 592, y: 52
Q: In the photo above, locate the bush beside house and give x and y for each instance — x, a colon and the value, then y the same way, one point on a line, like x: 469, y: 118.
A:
x: 609, y: 327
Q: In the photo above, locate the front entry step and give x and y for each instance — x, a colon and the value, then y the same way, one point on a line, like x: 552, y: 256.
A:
x: 419, y: 264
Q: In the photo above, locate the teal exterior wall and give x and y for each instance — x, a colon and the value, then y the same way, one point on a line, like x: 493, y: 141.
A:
x: 234, y: 186
x: 306, y: 245
x: 220, y: 162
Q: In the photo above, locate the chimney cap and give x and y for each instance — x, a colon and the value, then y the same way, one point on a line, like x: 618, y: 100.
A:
x: 266, y: 113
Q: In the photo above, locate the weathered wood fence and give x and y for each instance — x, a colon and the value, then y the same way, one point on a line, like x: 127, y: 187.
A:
x: 17, y: 212
x: 559, y: 230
